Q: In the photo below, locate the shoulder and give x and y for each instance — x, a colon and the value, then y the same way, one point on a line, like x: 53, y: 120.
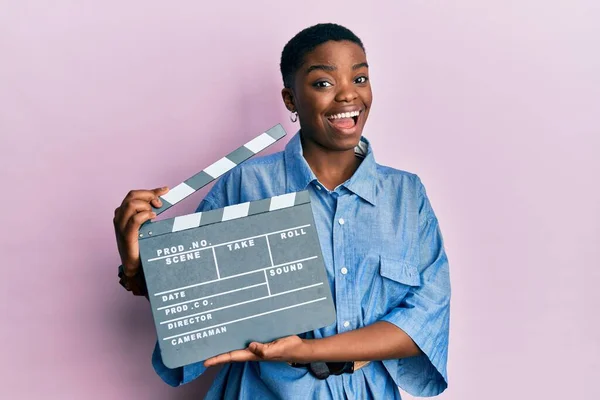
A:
x: 396, y: 177
x: 387, y: 171
x: 403, y: 189
x: 260, y: 167
x: 260, y: 162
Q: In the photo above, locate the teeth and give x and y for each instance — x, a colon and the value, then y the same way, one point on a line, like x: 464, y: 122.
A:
x: 345, y: 115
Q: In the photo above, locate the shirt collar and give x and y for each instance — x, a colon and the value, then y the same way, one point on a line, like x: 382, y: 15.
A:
x: 299, y: 175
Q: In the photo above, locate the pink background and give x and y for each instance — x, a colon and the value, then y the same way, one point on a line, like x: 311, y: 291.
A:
x: 495, y: 104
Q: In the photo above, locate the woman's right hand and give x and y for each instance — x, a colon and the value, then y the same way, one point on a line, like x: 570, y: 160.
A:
x: 129, y: 216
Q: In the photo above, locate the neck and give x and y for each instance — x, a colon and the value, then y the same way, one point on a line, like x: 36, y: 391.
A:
x: 332, y: 168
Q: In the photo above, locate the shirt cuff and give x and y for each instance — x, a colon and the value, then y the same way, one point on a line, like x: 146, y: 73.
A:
x: 175, y: 376
x: 424, y: 375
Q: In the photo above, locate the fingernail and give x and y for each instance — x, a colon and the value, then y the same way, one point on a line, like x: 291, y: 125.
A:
x: 153, y: 215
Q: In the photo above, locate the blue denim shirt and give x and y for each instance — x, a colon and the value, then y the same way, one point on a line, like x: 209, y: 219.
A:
x: 385, y: 261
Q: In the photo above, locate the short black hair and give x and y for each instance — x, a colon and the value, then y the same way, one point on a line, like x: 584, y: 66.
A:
x: 305, y: 41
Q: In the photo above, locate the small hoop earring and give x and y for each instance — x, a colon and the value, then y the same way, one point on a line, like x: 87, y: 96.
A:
x: 294, y: 116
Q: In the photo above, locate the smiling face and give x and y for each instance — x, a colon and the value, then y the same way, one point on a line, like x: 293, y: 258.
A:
x: 332, y: 95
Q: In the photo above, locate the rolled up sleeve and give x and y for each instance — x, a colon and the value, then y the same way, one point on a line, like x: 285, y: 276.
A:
x: 424, y: 314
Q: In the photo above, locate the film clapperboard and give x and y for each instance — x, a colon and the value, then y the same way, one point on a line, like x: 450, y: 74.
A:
x: 218, y: 280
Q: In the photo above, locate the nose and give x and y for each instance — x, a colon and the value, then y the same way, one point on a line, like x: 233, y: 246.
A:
x: 346, y: 92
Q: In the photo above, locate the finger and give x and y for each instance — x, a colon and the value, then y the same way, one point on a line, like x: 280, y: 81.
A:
x: 232, y: 356
x: 241, y: 355
x: 157, y: 202
x: 134, y: 223
x: 124, y: 212
x: 258, y: 349
x: 116, y: 219
x: 129, y: 210
x: 146, y: 195
x: 129, y: 245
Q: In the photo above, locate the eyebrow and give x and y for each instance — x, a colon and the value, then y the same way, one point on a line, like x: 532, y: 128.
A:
x: 330, y: 68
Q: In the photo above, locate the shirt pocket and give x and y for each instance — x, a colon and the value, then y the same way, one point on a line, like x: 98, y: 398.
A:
x: 398, y: 278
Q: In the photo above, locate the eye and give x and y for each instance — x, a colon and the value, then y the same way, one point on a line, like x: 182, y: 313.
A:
x: 361, y: 79
x: 322, y: 84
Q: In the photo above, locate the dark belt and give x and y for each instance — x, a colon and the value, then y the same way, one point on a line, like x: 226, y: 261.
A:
x: 322, y: 370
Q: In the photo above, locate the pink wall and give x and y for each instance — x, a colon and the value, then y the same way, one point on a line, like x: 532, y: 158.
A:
x: 494, y: 104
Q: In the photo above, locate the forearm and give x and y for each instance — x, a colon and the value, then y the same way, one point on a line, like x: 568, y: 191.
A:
x: 379, y: 341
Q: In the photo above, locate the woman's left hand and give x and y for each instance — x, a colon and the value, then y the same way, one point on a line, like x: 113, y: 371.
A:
x: 289, y: 349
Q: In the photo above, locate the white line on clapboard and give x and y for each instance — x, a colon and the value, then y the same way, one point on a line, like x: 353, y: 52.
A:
x: 270, y: 254
x: 226, y: 243
x: 216, y: 263
x: 267, y: 281
x: 271, y: 258
x: 234, y: 276
x: 242, y: 303
x: 212, y: 295
x: 249, y: 317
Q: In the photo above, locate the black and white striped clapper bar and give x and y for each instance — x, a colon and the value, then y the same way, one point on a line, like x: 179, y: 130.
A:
x: 218, y: 280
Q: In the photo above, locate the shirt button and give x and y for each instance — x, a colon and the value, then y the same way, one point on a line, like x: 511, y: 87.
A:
x: 344, y: 270
x: 341, y: 221
x: 318, y: 187
x: 346, y: 324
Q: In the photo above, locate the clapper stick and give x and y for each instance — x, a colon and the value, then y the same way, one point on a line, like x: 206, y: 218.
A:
x: 218, y: 168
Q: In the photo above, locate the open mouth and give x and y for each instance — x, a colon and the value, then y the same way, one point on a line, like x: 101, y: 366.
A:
x: 345, y: 120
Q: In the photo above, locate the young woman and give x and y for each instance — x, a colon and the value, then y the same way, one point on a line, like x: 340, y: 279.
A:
x: 380, y: 238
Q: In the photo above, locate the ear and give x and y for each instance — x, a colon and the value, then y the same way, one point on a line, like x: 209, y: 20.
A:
x: 288, y: 99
